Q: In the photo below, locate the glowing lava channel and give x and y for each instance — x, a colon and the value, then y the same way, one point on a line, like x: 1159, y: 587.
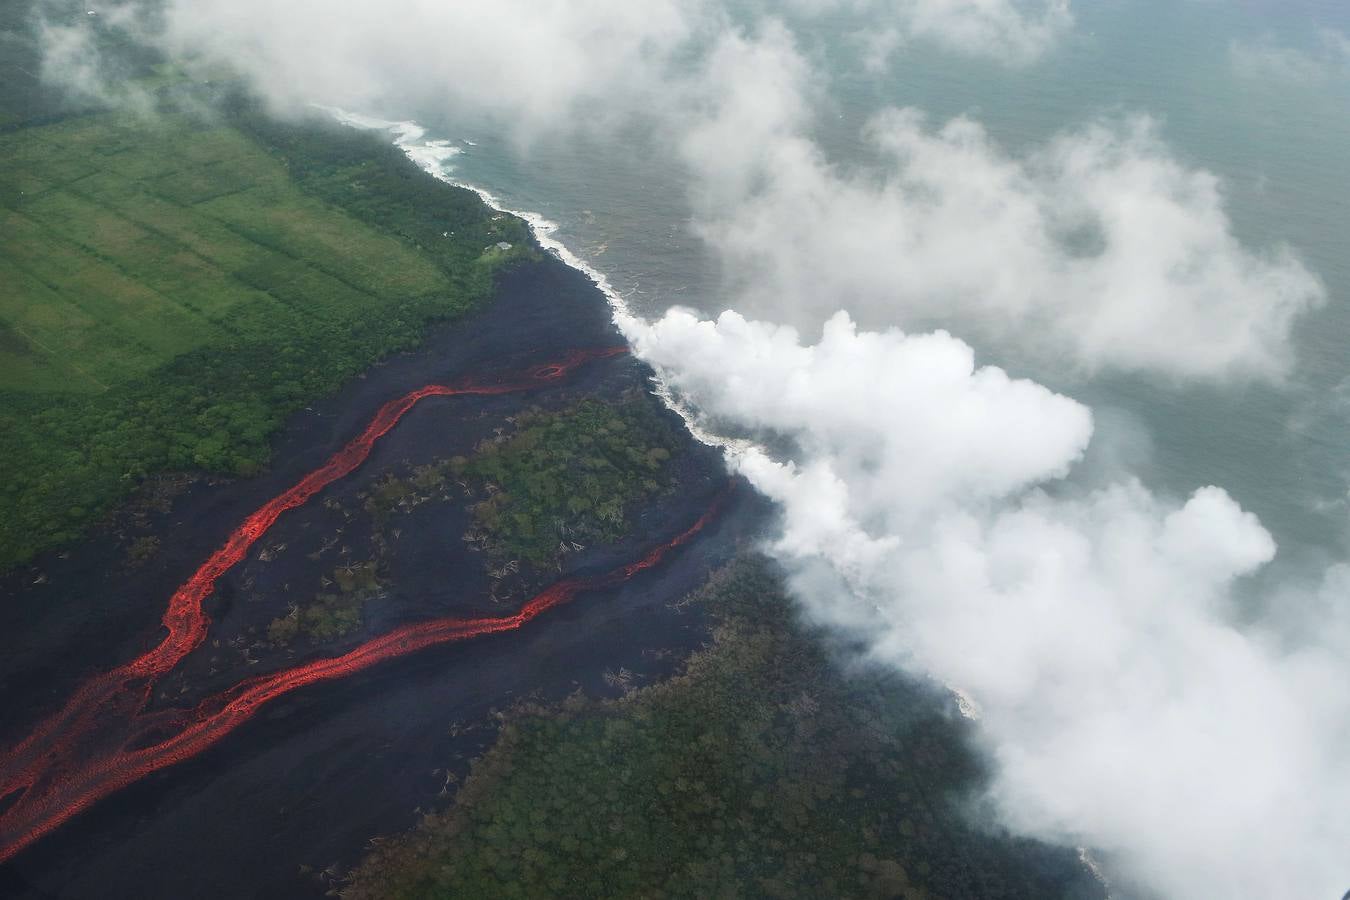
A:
x: 80, y: 755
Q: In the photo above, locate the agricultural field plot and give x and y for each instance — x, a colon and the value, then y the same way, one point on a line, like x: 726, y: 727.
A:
x: 126, y: 244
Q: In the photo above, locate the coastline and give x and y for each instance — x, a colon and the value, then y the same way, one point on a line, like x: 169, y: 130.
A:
x: 432, y: 157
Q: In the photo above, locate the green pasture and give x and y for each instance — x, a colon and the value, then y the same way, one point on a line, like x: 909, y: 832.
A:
x: 171, y: 287
x: 124, y: 244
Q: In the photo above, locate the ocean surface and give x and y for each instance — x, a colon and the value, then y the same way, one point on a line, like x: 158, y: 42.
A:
x: 1280, y: 147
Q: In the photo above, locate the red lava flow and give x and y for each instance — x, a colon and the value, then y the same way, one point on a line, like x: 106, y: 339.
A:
x: 95, y: 744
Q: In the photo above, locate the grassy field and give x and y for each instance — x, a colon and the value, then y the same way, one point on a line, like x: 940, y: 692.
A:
x: 172, y: 287
x: 126, y: 245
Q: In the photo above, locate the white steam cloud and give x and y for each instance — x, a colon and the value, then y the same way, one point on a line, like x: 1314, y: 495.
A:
x: 1100, y: 247
x: 537, y: 65
x: 1122, y: 707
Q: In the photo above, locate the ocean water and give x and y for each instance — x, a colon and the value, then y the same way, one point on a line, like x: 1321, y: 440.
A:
x: 1280, y: 147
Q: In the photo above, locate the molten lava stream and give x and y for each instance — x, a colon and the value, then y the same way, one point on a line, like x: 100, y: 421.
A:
x: 51, y: 748
x: 38, y: 814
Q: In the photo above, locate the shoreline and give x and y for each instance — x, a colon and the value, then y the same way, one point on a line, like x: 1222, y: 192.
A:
x: 432, y: 156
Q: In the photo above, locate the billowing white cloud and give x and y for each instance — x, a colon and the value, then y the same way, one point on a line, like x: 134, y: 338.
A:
x: 534, y: 64
x: 953, y: 412
x: 534, y: 67
x: 539, y: 66
x: 1100, y: 248
x: 1123, y: 709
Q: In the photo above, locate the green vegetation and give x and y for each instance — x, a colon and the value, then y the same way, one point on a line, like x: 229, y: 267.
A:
x: 142, y: 550
x: 617, y: 450
x: 569, y: 476
x: 761, y: 772
x: 175, y: 287
x: 392, y: 495
x: 330, y: 615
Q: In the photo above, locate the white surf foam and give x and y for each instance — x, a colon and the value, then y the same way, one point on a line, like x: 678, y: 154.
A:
x: 434, y: 157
